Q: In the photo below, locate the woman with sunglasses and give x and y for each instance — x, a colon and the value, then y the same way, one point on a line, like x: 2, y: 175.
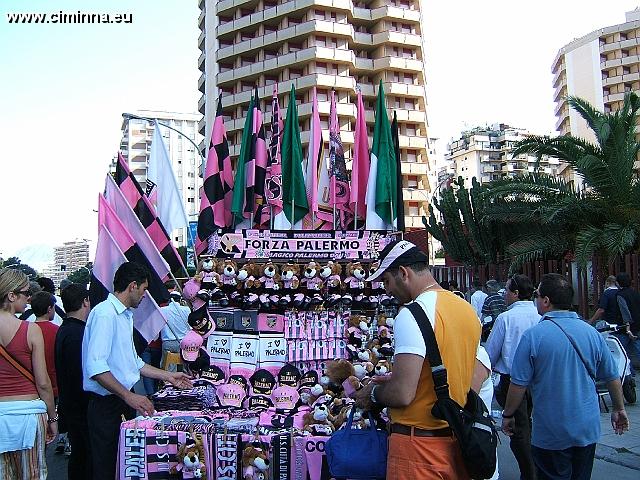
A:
x: 28, y: 417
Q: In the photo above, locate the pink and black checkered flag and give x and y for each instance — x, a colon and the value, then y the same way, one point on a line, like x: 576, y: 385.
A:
x: 248, y: 188
x: 217, y: 191
x: 143, y: 209
x: 339, y: 178
x: 273, y: 180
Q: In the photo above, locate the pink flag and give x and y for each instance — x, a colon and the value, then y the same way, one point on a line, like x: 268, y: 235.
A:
x: 339, y: 179
x: 360, y: 166
x: 147, y: 317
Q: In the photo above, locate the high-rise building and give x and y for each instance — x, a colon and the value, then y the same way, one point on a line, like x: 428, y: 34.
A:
x: 327, y: 45
x: 67, y: 258
x: 599, y: 67
x: 137, y: 136
x: 485, y: 153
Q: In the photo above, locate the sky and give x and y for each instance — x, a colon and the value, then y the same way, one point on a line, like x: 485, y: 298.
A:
x: 63, y: 89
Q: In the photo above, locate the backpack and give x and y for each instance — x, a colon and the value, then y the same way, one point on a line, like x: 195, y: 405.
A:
x: 472, y: 424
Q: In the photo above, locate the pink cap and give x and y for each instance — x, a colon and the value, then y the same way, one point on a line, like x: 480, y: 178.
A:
x: 190, y: 345
x: 230, y: 394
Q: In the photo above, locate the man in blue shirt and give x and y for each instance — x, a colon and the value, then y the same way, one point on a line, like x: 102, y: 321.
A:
x: 608, y: 304
x: 111, y: 367
x: 559, y: 360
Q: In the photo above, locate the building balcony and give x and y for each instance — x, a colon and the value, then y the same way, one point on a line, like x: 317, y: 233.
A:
x: 201, y: 62
x: 201, y: 104
x: 415, y: 195
x: 304, y: 29
x: 613, y: 97
x: 201, y: 39
x: 609, y: 47
x: 412, y: 142
x: 201, y: 82
x: 414, y: 168
x: 414, y: 221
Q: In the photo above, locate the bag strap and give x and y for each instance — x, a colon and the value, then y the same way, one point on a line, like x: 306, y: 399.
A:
x: 438, y: 371
x: 17, y: 365
x: 575, y: 347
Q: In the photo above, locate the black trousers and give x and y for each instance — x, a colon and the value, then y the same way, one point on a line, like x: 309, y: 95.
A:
x: 574, y: 463
x: 79, y: 467
x: 104, y: 416
x: 520, y: 441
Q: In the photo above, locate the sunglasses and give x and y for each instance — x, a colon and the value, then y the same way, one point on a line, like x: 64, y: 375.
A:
x: 26, y: 293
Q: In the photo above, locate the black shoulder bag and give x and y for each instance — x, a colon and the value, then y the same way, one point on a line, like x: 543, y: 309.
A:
x: 472, y: 425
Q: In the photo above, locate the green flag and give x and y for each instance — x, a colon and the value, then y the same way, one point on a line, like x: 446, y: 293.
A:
x: 382, y: 186
x: 239, y: 183
x: 294, y: 195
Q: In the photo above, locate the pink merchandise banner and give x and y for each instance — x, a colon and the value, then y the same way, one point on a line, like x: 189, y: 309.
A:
x: 302, y: 245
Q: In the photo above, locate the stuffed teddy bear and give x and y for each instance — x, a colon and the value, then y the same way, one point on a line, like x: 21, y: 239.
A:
x: 204, y: 285
x: 269, y: 283
x: 382, y: 367
x: 319, y: 421
x: 290, y: 277
x: 343, y: 416
x: 313, y: 283
x: 228, y: 271
x: 191, y: 458
x: 254, y: 463
x: 355, y: 286
x: 247, y: 282
x: 377, y: 293
x: 342, y: 373
x: 331, y: 275
x: 355, y: 334
x: 364, y: 365
x: 385, y: 321
x: 385, y: 344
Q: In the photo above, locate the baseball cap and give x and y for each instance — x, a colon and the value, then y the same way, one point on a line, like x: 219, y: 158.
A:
x: 230, y: 395
x: 239, y: 380
x: 213, y: 374
x: 262, y: 381
x: 396, y: 254
x: 200, y: 321
x: 190, y: 346
x: 289, y: 375
x: 309, y: 379
x: 259, y: 402
x: 285, y: 397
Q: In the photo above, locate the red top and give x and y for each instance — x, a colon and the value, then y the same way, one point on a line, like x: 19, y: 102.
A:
x: 49, y: 331
x: 13, y: 382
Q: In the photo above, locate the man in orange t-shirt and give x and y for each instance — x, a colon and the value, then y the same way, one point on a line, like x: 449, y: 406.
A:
x: 422, y: 446
x: 43, y: 305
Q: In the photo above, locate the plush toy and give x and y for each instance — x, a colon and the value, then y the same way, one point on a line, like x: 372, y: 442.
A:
x: 191, y: 458
x: 354, y: 335
x: 355, y: 286
x: 377, y: 293
x: 269, y: 283
x: 318, y: 422
x: 290, y: 276
x: 313, y: 283
x: 247, y: 282
x: 384, y: 321
x: 342, y: 373
x: 364, y: 365
x: 385, y: 344
x: 330, y: 274
x: 228, y: 271
x: 343, y: 416
x: 254, y: 463
x: 337, y: 405
x: 204, y: 284
x: 382, y: 367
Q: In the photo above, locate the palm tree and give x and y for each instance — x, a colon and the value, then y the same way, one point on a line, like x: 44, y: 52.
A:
x: 602, y: 216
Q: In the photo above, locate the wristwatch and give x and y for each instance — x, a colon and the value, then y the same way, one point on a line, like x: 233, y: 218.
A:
x: 372, y: 395
x: 53, y: 419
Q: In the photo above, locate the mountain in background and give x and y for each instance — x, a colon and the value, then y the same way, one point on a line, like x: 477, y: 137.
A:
x: 37, y: 256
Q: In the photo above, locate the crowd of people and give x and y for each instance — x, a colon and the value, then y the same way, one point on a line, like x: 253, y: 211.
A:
x: 68, y: 366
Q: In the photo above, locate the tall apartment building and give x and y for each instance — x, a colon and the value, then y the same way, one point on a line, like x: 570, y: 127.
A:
x: 485, y: 153
x: 137, y: 136
x: 599, y: 67
x: 67, y: 258
x: 329, y: 45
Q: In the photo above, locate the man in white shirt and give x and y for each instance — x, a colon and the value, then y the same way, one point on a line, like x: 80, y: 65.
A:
x: 501, y: 346
x: 111, y: 367
x: 177, y: 326
x: 477, y: 297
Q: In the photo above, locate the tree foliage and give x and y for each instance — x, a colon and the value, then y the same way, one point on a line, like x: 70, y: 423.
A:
x: 538, y: 216
x: 15, y: 262
x: 81, y: 275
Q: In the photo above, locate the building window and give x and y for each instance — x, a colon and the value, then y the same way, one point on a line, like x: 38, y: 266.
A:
x: 323, y: 95
x: 411, y: 129
x: 321, y: 41
x: 269, y: 54
x: 408, y: 79
x: 270, y: 79
x: 294, y: 47
x: 321, y: 67
x: 409, y: 104
x: 324, y: 122
x: 319, y: 15
x: 295, y: 73
x: 414, y: 209
x: 190, y: 200
x: 411, y: 156
x: 412, y: 181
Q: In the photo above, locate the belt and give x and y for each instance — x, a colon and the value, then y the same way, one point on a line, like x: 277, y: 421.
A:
x: 420, y: 432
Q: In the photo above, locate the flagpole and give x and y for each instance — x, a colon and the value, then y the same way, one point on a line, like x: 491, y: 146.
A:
x: 355, y: 218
